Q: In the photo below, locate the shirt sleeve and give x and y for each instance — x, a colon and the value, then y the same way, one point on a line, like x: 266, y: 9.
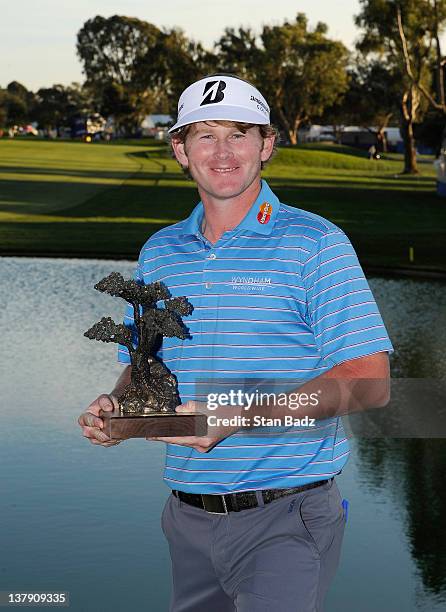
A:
x: 123, y: 353
x: 341, y: 309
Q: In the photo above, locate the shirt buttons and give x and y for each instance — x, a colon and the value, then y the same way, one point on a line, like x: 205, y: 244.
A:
x: 212, y: 256
x: 208, y: 285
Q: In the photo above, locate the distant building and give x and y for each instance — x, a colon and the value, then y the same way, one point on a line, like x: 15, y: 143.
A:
x: 355, y: 136
x: 317, y: 133
x: 363, y: 138
x: 350, y: 135
x: 393, y: 136
x: 156, y: 126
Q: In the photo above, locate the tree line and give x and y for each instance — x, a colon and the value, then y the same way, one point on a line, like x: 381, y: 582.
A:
x: 132, y: 68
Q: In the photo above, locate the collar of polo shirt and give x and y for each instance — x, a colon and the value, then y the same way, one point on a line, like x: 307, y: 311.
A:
x: 260, y: 218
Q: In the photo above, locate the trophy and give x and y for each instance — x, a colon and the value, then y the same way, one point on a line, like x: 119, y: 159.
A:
x: 147, y: 405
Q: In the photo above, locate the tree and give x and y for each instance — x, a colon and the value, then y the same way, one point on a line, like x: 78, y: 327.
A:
x: 17, y: 89
x: 435, y: 22
x: 15, y: 104
x: 3, y: 112
x: 51, y: 102
x: 438, y: 22
x: 58, y: 105
x: 183, y: 61
x: 119, y: 102
x: 300, y: 71
x: 239, y: 53
x: 114, y: 49
x: 434, y: 18
x: 370, y: 100
x: 401, y: 33
x: 303, y: 72
x: 431, y: 130
x: 121, y: 58
x: 15, y: 109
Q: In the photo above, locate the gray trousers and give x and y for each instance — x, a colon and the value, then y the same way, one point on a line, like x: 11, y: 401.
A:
x: 277, y: 557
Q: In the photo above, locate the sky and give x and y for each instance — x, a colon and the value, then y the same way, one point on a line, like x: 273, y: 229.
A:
x: 38, y: 39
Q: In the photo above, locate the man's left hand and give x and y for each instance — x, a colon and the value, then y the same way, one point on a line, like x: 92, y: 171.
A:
x: 202, y: 444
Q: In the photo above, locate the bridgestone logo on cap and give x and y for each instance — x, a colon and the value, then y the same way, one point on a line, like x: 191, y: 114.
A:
x: 213, y: 90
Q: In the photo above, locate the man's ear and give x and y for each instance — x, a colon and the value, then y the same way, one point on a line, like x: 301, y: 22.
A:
x: 180, y: 153
x: 268, y: 147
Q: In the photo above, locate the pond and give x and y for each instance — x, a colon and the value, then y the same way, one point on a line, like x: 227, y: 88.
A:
x: 85, y: 519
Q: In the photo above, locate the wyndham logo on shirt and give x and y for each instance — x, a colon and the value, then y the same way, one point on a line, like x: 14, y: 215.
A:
x: 250, y: 283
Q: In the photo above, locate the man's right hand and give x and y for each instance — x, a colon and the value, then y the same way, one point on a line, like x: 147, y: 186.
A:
x: 92, y: 425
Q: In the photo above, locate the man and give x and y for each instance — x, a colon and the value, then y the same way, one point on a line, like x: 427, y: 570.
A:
x: 255, y: 520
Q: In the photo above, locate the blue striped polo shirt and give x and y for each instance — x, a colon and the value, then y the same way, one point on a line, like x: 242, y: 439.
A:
x: 281, y: 296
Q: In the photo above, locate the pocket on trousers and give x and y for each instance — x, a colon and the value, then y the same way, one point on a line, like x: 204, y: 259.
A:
x: 163, y: 515
x: 318, y: 516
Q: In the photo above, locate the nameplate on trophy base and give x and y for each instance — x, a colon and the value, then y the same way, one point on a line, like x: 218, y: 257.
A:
x: 120, y: 426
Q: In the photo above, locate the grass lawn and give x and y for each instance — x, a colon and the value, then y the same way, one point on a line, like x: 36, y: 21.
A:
x: 74, y: 199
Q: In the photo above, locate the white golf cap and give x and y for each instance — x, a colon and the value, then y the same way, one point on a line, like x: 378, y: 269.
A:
x: 221, y: 97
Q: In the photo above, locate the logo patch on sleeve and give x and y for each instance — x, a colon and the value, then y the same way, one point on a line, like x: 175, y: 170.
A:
x: 264, y: 214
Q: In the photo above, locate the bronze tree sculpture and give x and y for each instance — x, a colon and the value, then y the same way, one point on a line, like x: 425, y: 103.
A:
x: 153, y: 388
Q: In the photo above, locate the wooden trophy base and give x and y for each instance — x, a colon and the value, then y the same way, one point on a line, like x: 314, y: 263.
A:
x: 120, y: 426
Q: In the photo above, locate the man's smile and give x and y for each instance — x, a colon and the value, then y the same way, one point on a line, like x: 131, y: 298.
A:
x: 224, y: 170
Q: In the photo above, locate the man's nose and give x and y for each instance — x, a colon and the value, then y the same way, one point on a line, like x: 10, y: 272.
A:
x: 222, y: 149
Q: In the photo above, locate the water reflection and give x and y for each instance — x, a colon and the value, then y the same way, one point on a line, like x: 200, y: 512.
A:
x: 415, y: 314
x: 413, y: 473
x: 72, y: 513
x: 413, y: 470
